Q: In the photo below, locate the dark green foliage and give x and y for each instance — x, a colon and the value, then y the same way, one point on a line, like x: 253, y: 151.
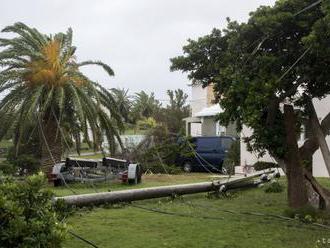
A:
x: 233, y: 157
x: 176, y: 110
x: 257, y: 65
x: 123, y: 102
x: 26, y: 163
x: 7, y: 168
x: 262, y: 165
x: 144, y: 106
x: 274, y: 187
x: 26, y: 215
x: 63, y: 210
x: 47, y: 89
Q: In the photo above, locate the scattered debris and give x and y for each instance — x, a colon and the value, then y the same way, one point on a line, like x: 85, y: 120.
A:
x: 95, y: 170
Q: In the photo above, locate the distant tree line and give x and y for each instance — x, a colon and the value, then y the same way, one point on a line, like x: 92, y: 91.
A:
x: 144, y: 111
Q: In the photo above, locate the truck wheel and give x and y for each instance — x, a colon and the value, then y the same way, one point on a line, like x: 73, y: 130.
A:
x: 187, y: 167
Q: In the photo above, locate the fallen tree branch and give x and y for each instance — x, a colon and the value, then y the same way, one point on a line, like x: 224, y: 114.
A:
x: 320, y: 134
x: 323, y: 193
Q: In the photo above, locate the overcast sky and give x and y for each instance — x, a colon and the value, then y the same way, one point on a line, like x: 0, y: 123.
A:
x: 135, y: 37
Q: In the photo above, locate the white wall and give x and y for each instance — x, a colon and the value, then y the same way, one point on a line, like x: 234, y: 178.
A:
x: 208, y: 126
x: 198, y: 99
x: 248, y: 158
x: 322, y: 108
x: 196, y: 129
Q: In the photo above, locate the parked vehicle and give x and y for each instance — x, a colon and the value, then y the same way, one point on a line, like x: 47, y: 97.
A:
x: 208, y: 154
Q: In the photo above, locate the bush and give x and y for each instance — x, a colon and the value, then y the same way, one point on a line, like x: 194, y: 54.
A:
x: 161, y: 149
x: 25, y: 163
x: 7, y: 168
x: 261, y: 165
x: 26, y: 215
x: 274, y: 187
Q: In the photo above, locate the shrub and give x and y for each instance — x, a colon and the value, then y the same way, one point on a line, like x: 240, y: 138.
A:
x: 26, y: 215
x: 274, y: 187
x: 161, y: 149
x: 261, y: 165
x: 26, y: 164
x: 305, y: 214
x: 8, y: 168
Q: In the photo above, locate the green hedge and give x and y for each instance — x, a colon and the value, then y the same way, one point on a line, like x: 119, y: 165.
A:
x: 27, y: 216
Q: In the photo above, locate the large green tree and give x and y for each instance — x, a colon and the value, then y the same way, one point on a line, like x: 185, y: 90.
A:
x: 266, y: 73
x: 44, y: 86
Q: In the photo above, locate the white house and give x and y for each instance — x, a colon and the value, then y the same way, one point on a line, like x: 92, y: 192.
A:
x: 203, y: 123
x: 203, y: 115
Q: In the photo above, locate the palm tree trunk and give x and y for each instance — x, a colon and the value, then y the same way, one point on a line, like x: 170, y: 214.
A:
x: 51, y: 150
x: 297, y: 192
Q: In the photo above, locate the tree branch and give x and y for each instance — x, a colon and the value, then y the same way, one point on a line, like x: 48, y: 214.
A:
x: 325, y: 125
x: 311, y: 145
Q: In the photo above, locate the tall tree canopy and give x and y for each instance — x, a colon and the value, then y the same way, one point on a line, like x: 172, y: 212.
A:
x: 45, y: 87
x: 280, y: 56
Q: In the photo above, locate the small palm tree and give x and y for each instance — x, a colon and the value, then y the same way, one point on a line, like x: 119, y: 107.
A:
x: 44, y: 86
x: 123, y: 101
x: 144, y: 105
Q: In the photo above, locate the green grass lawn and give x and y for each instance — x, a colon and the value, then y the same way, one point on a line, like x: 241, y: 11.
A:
x: 129, y: 226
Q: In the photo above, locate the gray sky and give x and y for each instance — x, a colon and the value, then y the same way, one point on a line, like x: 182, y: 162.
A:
x: 135, y: 37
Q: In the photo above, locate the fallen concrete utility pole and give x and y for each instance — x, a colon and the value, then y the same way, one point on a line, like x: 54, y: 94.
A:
x: 156, y: 192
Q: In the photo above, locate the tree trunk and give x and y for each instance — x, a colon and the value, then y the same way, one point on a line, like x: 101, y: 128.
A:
x: 51, y: 150
x: 297, y: 192
x: 317, y: 130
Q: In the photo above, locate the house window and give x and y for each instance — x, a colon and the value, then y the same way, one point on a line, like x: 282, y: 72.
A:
x: 220, y: 130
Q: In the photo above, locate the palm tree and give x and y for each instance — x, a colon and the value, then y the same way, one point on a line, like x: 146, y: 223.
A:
x: 44, y: 86
x: 145, y: 106
x: 123, y: 101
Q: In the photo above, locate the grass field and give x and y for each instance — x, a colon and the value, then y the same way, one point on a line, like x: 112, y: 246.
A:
x: 206, y: 223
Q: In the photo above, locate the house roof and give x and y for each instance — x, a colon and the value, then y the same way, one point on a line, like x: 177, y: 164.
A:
x: 209, y: 111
